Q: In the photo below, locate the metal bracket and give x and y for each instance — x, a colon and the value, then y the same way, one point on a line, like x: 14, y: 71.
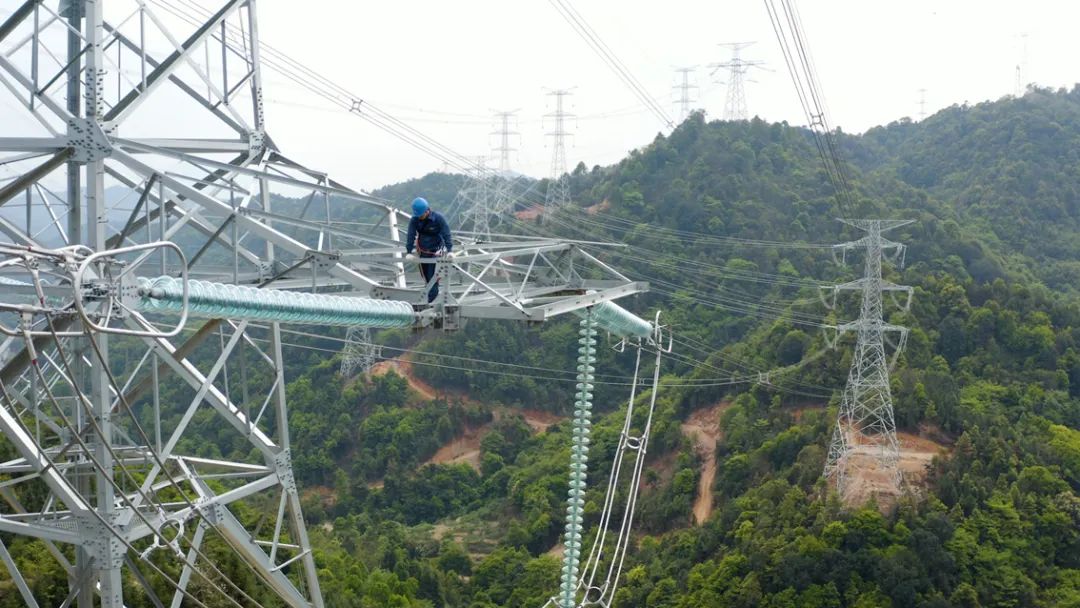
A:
x: 256, y: 140
x: 323, y: 260
x: 283, y: 468
x: 87, y: 140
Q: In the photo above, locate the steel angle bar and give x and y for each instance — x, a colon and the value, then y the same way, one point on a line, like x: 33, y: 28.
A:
x: 17, y: 17
x: 277, y: 158
x: 187, y: 146
x: 183, y: 86
x: 208, y: 501
x: 27, y: 179
x: 28, y: 448
x: 331, y: 228
x: 28, y: 86
x: 237, y: 537
x: 226, y: 464
x: 168, y: 66
x: 185, y: 216
x: 578, y: 302
x: 33, y: 144
x: 189, y: 414
x: 136, y: 146
x: 190, y: 374
x: 17, y: 577
x: 476, y: 281
x: 52, y: 533
x: 258, y: 228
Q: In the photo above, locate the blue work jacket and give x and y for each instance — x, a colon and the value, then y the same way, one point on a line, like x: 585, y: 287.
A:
x: 433, y: 233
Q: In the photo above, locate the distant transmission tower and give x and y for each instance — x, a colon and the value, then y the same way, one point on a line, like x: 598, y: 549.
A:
x: 558, y: 192
x: 922, y: 104
x: 360, y: 353
x: 1022, y: 67
x: 683, y: 88
x: 737, y: 67
x: 864, y: 453
x: 503, y: 150
x: 475, y: 197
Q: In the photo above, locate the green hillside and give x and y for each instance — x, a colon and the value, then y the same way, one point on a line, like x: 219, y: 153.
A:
x: 991, y: 372
x: 990, y: 375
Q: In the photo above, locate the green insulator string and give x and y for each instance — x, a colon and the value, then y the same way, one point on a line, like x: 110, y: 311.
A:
x: 579, y: 460
x: 219, y: 300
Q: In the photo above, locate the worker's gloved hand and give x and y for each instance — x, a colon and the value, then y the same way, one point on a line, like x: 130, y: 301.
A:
x: 410, y: 257
x: 450, y: 255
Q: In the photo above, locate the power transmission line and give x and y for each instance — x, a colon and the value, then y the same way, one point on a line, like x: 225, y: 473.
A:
x: 787, y: 25
x: 602, y: 50
x: 317, y: 84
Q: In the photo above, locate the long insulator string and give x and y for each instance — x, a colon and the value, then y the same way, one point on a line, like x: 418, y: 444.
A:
x: 219, y: 300
x: 579, y: 461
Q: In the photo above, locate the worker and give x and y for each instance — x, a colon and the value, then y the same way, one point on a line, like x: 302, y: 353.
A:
x: 430, y: 235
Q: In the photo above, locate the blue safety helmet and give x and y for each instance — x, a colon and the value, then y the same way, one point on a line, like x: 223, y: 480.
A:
x: 419, y: 207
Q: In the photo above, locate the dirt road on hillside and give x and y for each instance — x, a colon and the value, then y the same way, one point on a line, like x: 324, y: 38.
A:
x: 703, y: 427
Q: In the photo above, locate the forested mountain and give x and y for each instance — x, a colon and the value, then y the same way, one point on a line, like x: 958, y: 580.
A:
x: 991, y: 372
x: 990, y: 375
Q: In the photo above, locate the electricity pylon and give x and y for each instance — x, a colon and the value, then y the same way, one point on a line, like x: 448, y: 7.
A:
x: 922, y: 104
x: 865, y: 435
x: 360, y: 353
x: 478, y: 198
x: 558, y: 191
x: 737, y: 67
x: 683, y: 88
x: 503, y: 150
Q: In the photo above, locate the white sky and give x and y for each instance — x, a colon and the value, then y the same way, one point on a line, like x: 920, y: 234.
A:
x: 419, y: 57
x: 444, y: 66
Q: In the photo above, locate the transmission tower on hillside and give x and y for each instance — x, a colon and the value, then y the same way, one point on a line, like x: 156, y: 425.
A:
x: 503, y: 133
x: 683, y: 88
x: 360, y: 353
x: 737, y: 68
x: 864, y: 454
x: 558, y: 191
x: 922, y: 104
x: 1022, y: 66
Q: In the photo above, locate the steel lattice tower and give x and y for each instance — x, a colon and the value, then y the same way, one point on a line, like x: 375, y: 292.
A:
x: 503, y: 133
x: 477, y: 198
x: 558, y: 191
x: 683, y: 88
x: 922, y: 104
x: 865, y: 433
x: 360, y: 353
x: 737, y: 67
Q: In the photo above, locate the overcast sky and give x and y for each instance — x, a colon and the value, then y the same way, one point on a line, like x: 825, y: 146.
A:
x: 444, y: 66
